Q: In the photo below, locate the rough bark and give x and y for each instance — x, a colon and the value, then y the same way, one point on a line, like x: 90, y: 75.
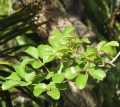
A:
x: 74, y: 97
x: 59, y: 17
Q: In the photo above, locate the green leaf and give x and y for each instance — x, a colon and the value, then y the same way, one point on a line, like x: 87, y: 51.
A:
x: 91, y: 49
x: 97, y: 73
x: 85, y: 40
x: 111, y: 50
x: 61, y: 67
x: 22, y: 83
x: 69, y: 75
x: 54, y: 41
x: 33, y: 52
x: 81, y: 81
x: 112, y: 43
x: 51, y: 84
x: 79, y: 61
x: 39, y: 88
x: 100, y: 45
x: 64, y: 41
x: 37, y: 64
x: 8, y: 84
x: 54, y: 93
x: 20, y: 70
x: 68, y: 30
x: 58, y: 78
x: 98, y: 59
x: 62, y: 48
x: 58, y: 34
x: 61, y: 86
x: 87, y: 54
x: 49, y: 75
x: 14, y: 76
x: 76, y: 68
x: 73, y: 70
x: 48, y: 58
x: 44, y: 49
x: 29, y: 75
x: 27, y: 61
x: 87, y: 65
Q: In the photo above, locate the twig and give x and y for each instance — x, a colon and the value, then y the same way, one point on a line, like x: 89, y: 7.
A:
x: 114, y: 59
x: 111, y: 62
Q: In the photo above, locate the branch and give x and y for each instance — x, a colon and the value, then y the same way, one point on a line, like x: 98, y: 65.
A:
x: 111, y: 62
x: 114, y: 59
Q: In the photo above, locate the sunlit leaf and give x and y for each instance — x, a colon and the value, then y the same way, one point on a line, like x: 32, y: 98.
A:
x: 20, y: 70
x: 37, y: 64
x: 39, y: 88
x: 49, y: 75
x: 86, y: 54
x: 33, y: 52
x: 100, y: 45
x: 29, y: 75
x: 27, y: 61
x: 69, y: 75
x: 98, y: 73
x: 111, y: 50
x: 91, y: 49
x: 62, y: 49
x: 44, y: 49
x: 64, y: 41
x: 97, y: 59
x: 8, y: 84
x: 14, y: 76
x: 58, y: 78
x: 85, y: 40
x: 81, y: 81
x: 54, y: 41
x: 73, y: 70
x: 51, y: 84
x: 61, y: 67
x: 87, y: 65
x: 54, y: 93
x: 68, y: 30
x: 48, y: 58
x: 58, y: 34
x: 112, y: 43
x: 22, y: 83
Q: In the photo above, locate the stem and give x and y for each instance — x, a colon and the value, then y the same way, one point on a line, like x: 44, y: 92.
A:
x: 114, y: 59
x: 111, y: 62
x: 46, y: 69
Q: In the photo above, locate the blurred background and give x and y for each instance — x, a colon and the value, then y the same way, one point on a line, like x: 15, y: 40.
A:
x: 18, y: 30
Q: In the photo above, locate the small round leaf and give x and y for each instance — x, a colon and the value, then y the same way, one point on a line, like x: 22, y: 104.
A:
x: 38, y: 89
x: 98, y: 73
x: 37, y: 64
x: 58, y: 78
x: 81, y: 81
x: 54, y: 93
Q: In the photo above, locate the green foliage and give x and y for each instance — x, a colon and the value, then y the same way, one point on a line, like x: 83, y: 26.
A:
x: 81, y: 81
x: 74, y: 65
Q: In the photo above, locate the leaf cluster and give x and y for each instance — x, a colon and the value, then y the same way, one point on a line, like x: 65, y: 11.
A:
x: 74, y: 66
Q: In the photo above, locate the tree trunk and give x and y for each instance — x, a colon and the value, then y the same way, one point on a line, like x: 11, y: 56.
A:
x: 73, y: 97
x: 60, y: 16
